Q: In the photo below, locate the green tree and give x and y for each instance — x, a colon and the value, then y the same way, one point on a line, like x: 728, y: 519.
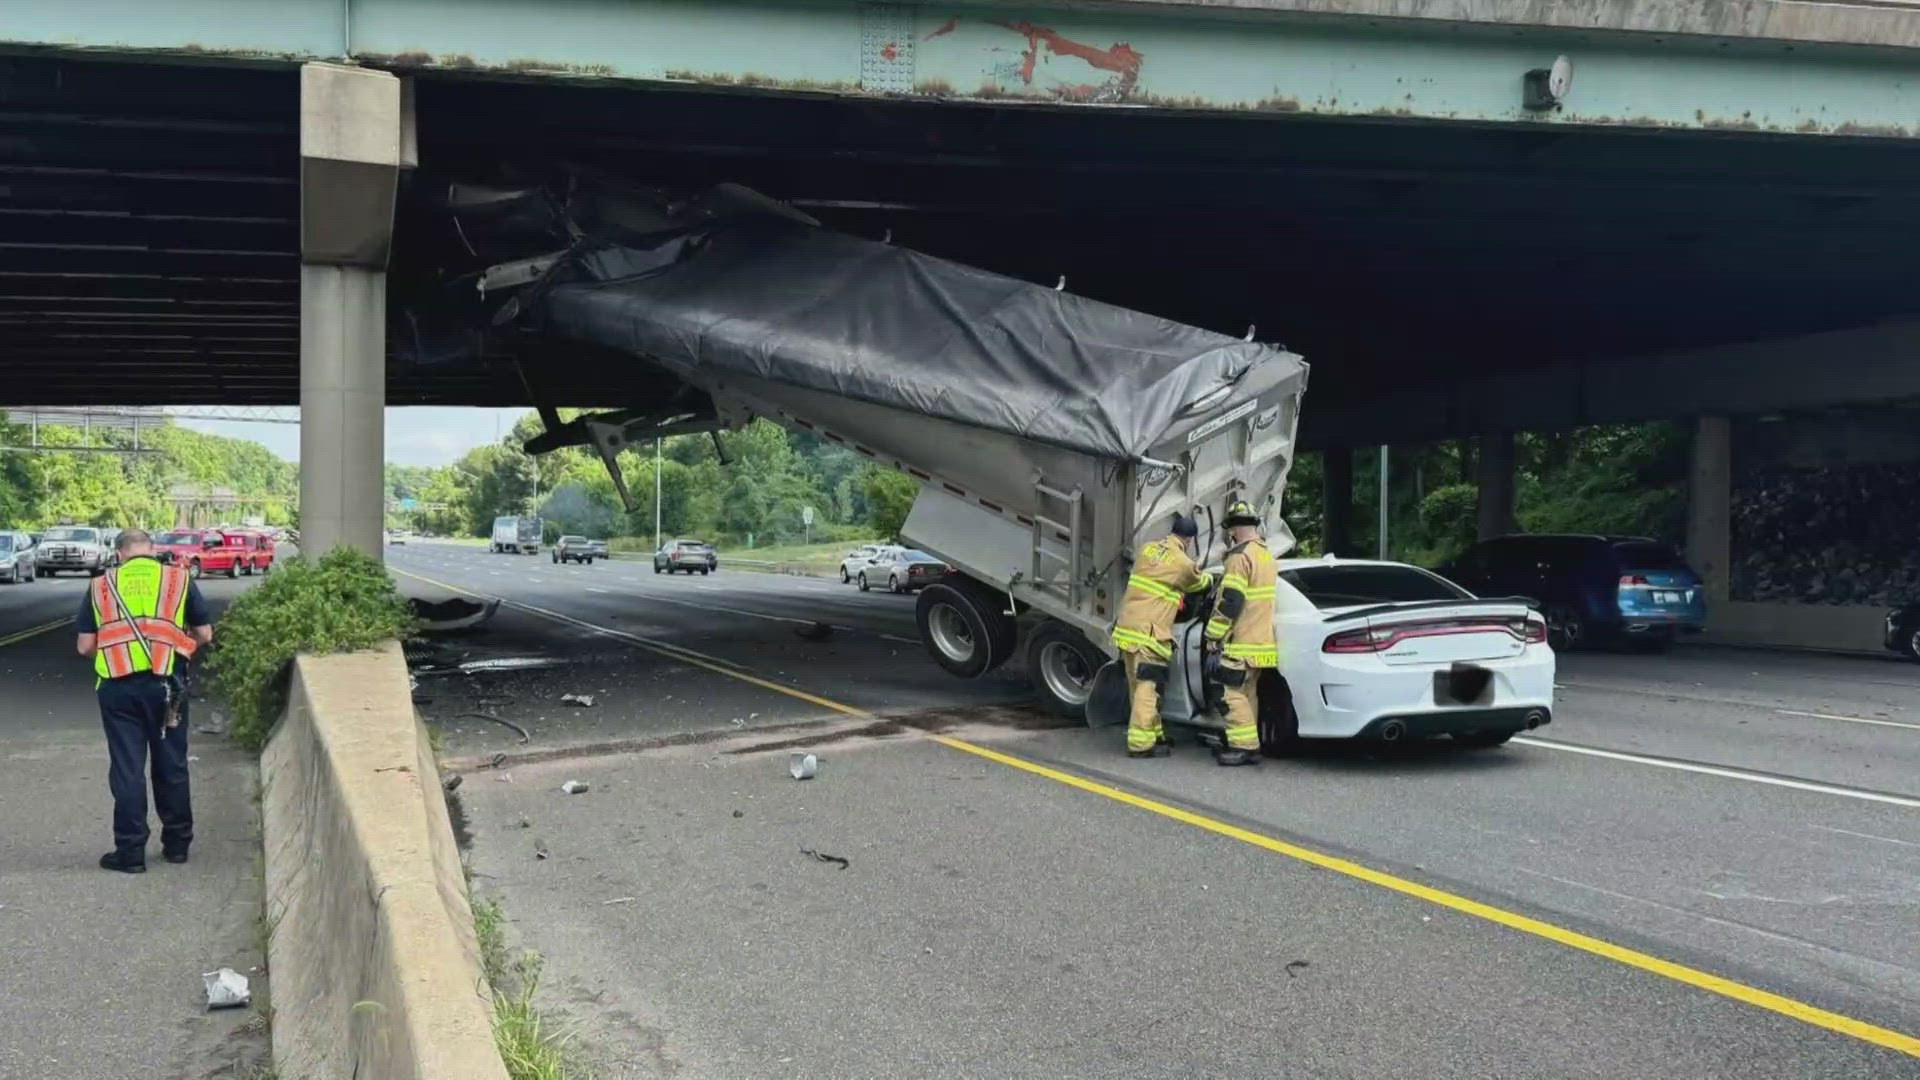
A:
x: 889, y: 498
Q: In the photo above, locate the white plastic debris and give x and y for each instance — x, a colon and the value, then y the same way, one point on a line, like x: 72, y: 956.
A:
x: 575, y: 787
x: 226, y: 989
x: 803, y: 766
x: 585, y: 701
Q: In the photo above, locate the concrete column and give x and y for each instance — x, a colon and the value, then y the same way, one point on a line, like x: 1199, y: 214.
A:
x: 355, y: 137
x: 1336, y: 500
x: 1709, y: 505
x: 1495, y: 469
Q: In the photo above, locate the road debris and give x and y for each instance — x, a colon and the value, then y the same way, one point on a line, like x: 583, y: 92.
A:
x: 822, y: 856
x: 1296, y: 965
x: 524, y: 737
x: 816, y: 631
x: 498, y: 759
x: 585, y: 701
x: 452, y: 783
x: 576, y: 787
x: 523, y: 823
x: 226, y: 989
x: 539, y: 849
x: 503, y: 778
x: 739, y: 813
x: 619, y: 900
x: 803, y: 766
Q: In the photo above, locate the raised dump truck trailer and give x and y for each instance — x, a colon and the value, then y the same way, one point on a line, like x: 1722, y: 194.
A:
x: 1050, y: 434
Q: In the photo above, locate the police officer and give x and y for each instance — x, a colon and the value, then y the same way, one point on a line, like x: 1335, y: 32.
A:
x: 1242, y: 629
x: 140, y: 623
x: 1163, y: 575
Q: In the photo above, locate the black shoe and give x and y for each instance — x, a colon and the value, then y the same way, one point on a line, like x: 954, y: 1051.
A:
x: 126, y: 864
x: 175, y: 855
x: 1233, y: 755
x: 1143, y: 754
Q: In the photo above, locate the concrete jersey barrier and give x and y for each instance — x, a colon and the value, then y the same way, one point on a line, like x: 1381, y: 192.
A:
x: 375, y: 968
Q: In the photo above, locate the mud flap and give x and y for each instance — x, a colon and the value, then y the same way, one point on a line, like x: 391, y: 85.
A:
x: 1109, y: 700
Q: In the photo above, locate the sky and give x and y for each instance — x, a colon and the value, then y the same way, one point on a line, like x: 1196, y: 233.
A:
x: 415, y: 436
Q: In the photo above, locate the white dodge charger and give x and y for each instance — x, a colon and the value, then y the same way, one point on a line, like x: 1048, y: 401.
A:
x: 1379, y: 651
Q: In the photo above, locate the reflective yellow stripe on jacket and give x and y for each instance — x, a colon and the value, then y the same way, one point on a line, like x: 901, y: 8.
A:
x: 1243, y: 618
x: 1162, y: 574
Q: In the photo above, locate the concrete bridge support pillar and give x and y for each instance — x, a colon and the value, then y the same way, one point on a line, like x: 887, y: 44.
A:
x: 1709, y: 506
x: 1336, y: 501
x: 1495, y: 466
x: 355, y: 136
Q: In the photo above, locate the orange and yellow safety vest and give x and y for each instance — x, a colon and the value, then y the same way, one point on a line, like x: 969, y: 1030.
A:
x: 140, y: 615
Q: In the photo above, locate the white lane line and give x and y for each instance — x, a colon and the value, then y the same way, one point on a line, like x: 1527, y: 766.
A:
x: 1848, y: 719
x: 1726, y: 773
x: 603, y: 592
x: 1867, y: 836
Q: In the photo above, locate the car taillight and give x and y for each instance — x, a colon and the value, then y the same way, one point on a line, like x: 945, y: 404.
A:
x: 1358, y: 641
x: 1531, y: 631
x: 1633, y: 579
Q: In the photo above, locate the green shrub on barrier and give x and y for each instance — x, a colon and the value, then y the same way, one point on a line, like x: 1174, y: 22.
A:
x: 344, y: 602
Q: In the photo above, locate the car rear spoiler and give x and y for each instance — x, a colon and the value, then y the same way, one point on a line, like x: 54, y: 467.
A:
x: 1416, y: 605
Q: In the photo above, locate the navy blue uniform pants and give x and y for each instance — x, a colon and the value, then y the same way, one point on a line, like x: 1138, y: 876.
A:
x: 133, y: 710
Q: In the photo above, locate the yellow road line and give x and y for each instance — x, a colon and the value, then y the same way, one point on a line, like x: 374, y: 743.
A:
x: 1573, y: 939
x: 34, y: 631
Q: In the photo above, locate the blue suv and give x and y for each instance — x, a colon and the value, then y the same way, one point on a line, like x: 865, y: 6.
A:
x: 1591, y: 588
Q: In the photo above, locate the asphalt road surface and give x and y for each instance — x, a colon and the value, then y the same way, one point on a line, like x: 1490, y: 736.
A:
x: 100, y: 974
x: 1708, y: 865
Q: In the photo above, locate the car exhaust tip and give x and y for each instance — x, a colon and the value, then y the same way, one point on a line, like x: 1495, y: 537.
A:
x: 1535, y: 718
x: 1393, y: 731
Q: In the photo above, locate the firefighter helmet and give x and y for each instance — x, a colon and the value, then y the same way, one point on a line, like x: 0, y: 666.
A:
x: 1241, y: 512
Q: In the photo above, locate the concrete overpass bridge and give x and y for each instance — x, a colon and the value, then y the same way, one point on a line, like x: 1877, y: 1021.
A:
x: 1475, y: 218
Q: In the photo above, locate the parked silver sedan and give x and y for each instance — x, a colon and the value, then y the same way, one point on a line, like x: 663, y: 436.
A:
x: 16, y: 557
x: 862, y: 557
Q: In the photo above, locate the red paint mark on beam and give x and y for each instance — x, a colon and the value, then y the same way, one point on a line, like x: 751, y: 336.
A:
x: 946, y: 28
x: 890, y: 51
x: 1121, y: 58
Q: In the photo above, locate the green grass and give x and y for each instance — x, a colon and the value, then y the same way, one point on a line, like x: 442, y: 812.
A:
x: 530, y: 1049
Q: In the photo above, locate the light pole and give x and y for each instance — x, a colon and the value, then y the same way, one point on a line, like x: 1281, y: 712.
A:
x: 656, y: 494
x: 1383, y: 503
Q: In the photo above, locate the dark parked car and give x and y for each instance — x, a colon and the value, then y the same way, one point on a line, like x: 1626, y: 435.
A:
x: 1903, y: 630
x: 1591, y: 588
x: 692, y: 556
x: 903, y: 571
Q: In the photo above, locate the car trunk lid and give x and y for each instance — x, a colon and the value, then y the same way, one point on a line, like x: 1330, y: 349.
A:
x: 1434, y: 632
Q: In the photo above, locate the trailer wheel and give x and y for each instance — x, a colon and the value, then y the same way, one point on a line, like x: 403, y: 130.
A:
x: 1061, y: 664
x: 963, y: 627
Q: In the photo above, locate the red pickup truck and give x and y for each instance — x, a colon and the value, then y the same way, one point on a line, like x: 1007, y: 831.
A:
x: 208, y: 551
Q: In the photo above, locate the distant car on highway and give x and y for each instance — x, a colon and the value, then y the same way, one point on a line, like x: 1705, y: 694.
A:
x: 860, y: 558
x: 1903, y: 630
x: 598, y: 548
x: 691, y: 556
x: 16, y: 557
x: 73, y: 548
x: 256, y: 549
x: 573, y: 549
x: 1591, y: 588
x: 202, y: 551
x: 902, y: 571
x: 396, y: 536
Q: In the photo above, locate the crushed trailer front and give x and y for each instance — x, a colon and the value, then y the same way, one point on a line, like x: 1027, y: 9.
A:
x: 1049, y: 433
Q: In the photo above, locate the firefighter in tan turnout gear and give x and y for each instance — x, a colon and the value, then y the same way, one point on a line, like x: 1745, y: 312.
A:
x: 1163, y: 576
x: 1242, y: 629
